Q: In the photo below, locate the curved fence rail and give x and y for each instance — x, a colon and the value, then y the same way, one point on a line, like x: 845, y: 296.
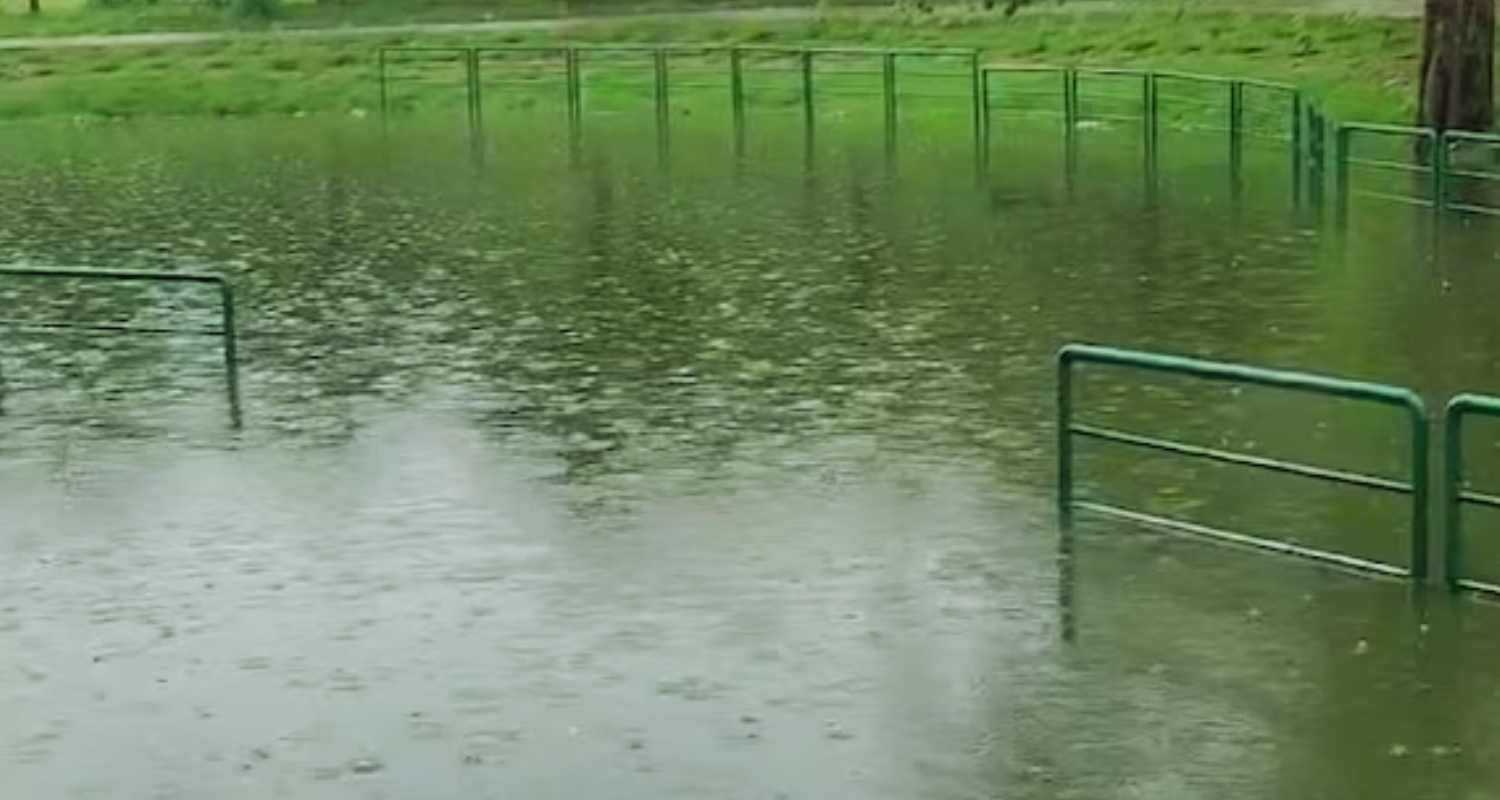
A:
x: 1415, y: 487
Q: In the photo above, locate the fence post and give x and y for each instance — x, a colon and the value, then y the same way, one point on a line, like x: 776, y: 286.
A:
x: 984, y: 117
x: 1070, y: 100
x: 1296, y: 134
x: 807, y: 88
x: 737, y: 98
x: 476, y: 102
x: 888, y: 75
x: 231, y: 351
x: 574, y: 78
x: 385, y: 103
x: 1152, y: 127
x: 1236, y: 132
x: 1439, y: 171
x: 1453, y: 481
x: 1341, y: 173
x: 1318, y: 138
x: 659, y: 70
x: 1065, y: 439
x: 976, y: 97
x: 1419, y: 492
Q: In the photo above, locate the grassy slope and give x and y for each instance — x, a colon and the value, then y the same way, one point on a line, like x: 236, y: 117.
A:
x: 1364, y: 67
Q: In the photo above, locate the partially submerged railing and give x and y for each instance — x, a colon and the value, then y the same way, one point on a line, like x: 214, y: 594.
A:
x: 1456, y: 495
x: 1436, y: 170
x: 1415, y: 487
x: 225, y: 330
x: 808, y: 73
x: 1246, y: 112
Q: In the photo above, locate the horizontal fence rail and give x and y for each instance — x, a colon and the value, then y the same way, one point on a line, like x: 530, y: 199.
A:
x: 1455, y: 493
x: 1075, y: 355
x: 226, y: 329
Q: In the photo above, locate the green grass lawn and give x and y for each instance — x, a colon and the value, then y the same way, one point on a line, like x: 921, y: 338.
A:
x: 1365, y: 68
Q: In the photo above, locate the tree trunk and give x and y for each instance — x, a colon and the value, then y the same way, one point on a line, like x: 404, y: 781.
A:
x: 1458, y: 66
x: 34, y: 6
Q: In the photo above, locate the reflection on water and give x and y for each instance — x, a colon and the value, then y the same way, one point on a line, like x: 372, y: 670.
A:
x: 568, y: 474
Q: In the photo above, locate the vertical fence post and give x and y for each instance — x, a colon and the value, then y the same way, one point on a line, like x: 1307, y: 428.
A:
x: 1070, y: 100
x: 659, y: 71
x: 976, y: 93
x: 1296, y: 134
x: 477, y: 82
x: 1439, y: 171
x: 1066, y: 575
x: 231, y: 351
x: 1453, y: 481
x: 1236, y: 133
x: 1317, y: 134
x: 737, y: 98
x: 808, y: 111
x: 1419, y: 492
x: 1341, y: 173
x: 1150, y: 125
x: 984, y: 118
x: 888, y: 83
x: 1070, y: 132
x: 1065, y: 439
x: 573, y: 85
x: 385, y: 101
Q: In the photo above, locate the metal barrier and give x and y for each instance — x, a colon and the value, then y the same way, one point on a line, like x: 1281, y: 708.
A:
x: 1160, y: 99
x: 1419, y: 140
x: 1455, y: 149
x: 1072, y: 355
x: 464, y: 57
x: 226, y: 327
x: 1454, y: 494
x: 741, y: 60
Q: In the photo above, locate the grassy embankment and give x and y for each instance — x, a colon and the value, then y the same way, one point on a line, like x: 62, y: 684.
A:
x: 1363, y: 67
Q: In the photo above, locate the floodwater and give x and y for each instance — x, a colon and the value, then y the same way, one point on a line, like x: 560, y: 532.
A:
x: 623, y: 473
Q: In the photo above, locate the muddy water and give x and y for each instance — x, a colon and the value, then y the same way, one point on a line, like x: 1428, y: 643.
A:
x: 631, y: 475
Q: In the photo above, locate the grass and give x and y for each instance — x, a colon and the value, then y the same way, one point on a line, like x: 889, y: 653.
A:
x: 73, y: 17
x: 1364, y: 67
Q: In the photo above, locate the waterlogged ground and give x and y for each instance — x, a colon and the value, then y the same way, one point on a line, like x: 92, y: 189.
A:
x: 631, y: 474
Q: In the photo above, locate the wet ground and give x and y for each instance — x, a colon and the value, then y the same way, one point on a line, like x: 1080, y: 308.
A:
x: 615, y: 477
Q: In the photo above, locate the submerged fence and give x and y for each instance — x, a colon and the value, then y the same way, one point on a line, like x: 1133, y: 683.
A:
x: 751, y: 79
x: 1440, y: 170
x: 1402, y: 400
x: 1458, y: 571
x: 226, y: 330
x: 1424, y: 167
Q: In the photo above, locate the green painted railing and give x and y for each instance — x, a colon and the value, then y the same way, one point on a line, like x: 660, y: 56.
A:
x: 226, y: 328
x: 1455, y: 495
x: 1437, y: 164
x: 1072, y: 356
x: 1158, y: 100
x: 742, y: 64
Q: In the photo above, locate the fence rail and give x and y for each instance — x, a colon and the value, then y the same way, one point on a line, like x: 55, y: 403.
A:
x: 226, y: 329
x: 1455, y: 495
x: 1071, y: 356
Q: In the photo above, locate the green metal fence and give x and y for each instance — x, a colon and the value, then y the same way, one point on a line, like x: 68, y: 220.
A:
x: 1455, y: 493
x: 226, y: 329
x: 1438, y: 170
x: 1248, y: 113
x: 1072, y: 356
x: 767, y: 77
